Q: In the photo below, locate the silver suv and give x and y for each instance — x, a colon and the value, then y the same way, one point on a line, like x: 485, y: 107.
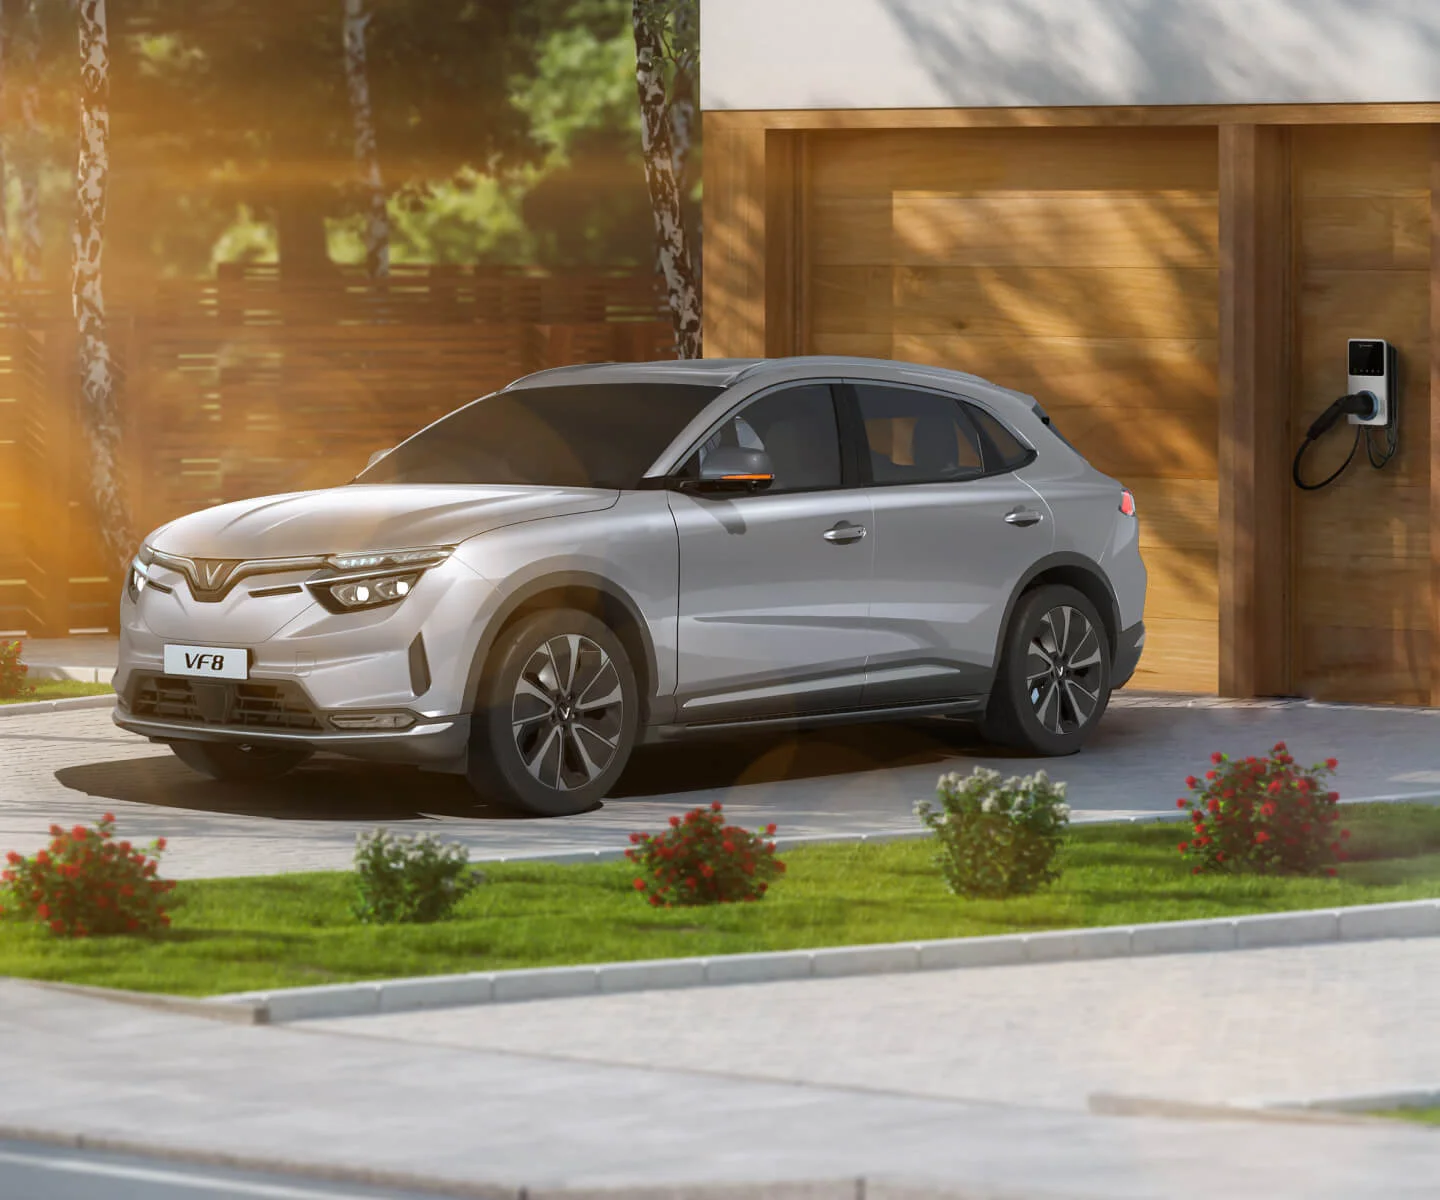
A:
x: 603, y: 555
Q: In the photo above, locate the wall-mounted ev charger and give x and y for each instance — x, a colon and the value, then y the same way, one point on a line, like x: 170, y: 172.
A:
x: 1372, y: 401
x: 1372, y: 372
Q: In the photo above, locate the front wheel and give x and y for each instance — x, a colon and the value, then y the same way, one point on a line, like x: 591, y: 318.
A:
x: 559, y: 715
x: 1053, y: 682
x: 245, y: 764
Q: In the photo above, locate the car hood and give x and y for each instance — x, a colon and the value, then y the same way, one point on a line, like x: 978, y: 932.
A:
x: 363, y: 517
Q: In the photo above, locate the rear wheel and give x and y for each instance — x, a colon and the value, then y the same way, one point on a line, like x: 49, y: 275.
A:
x: 1053, y: 683
x: 225, y: 760
x: 559, y: 715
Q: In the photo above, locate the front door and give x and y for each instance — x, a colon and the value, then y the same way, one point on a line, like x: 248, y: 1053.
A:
x: 953, y: 536
x: 773, y: 585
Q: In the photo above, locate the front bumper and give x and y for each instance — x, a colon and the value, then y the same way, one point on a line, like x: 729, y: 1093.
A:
x: 435, y: 744
x: 1129, y: 647
x: 307, y: 666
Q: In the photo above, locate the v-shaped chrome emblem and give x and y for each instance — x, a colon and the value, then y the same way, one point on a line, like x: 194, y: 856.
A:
x: 211, y: 573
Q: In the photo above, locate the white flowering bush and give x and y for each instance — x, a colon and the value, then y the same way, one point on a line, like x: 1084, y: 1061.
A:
x: 994, y: 837
x: 411, y: 879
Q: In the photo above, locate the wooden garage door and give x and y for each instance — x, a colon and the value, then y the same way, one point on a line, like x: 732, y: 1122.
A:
x: 1077, y: 265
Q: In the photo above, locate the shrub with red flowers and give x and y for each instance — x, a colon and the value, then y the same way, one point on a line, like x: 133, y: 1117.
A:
x: 87, y: 883
x: 12, y: 672
x: 1263, y: 814
x: 702, y: 860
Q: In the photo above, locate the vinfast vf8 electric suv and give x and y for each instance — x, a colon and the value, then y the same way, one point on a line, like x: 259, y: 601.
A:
x: 603, y: 555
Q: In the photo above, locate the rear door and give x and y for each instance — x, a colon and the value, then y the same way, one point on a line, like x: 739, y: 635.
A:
x: 955, y: 530
x: 773, y: 585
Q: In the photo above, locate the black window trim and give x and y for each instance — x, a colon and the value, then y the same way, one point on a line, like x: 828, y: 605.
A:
x: 849, y: 453
x: 989, y: 452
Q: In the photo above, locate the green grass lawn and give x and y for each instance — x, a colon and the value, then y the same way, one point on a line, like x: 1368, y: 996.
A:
x: 1424, y: 1116
x: 291, y: 930
x: 61, y: 689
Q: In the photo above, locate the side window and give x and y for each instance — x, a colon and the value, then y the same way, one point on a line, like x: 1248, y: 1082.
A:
x: 796, y: 427
x: 917, y: 437
x: 1013, y: 453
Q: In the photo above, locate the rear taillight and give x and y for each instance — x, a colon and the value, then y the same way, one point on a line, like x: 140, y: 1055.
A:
x: 1127, y: 502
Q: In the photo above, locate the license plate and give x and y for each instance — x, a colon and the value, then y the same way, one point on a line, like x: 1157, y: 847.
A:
x: 210, y: 662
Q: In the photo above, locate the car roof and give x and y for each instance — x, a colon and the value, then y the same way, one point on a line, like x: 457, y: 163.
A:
x: 722, y: 372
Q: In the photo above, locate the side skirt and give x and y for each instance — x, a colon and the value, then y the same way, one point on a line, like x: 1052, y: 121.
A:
x: 968, y: 706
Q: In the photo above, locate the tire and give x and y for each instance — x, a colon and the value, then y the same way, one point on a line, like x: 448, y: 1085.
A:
x: 1050, y: 689
x: 246, y: 764
x: 539, y: 742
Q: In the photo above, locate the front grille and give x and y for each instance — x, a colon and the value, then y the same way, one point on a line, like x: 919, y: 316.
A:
x: 230, y: 703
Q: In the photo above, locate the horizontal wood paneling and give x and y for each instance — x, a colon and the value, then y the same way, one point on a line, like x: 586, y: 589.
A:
x: 1358, y: 665
x: 1026, y: 229
x: 1362, y: 569
x: 1076, y: 265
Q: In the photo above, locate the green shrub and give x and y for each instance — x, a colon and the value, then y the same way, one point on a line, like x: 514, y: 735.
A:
x: 87, y: 883
x: 702, y: 860
x: 996, y: 838
x: 1265, y: 815
x: 12, y: 672
x: 410, y: 879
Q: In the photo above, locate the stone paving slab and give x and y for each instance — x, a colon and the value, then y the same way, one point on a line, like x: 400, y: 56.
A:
x: 1277, y: 1025
x: 73, y: 765
x: 548, y: 1122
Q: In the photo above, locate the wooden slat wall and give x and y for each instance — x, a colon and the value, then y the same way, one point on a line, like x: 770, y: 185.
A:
x: 245, y: 386
x: 735, y: 204
x: 1361, y: 609
x: 1079, y: 265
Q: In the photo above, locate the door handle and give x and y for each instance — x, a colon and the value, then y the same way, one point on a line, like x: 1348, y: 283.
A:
x: 844, y: 532
x: 1023, y: 516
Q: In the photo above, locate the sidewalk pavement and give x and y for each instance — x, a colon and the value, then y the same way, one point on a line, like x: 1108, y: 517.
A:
x: 979, y: 1080
x: 88, y: 659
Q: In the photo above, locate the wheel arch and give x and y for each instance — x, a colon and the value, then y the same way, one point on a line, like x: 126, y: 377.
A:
x: 1085, y: 575
x: 585, y: 592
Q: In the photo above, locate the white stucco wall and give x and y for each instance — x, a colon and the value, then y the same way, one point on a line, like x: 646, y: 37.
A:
x: 796, y: 54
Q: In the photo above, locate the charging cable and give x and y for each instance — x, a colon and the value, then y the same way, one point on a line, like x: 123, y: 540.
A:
x: 1359, y: 404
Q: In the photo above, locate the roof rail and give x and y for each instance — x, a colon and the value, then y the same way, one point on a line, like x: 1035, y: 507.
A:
x: 609, y: 362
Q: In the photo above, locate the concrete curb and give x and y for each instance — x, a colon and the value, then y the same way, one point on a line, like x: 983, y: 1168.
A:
x: 816, y: 1189
x: 239, y: 1012
x: 840, y: 1189
x: 1418, y: 918
x: 28, y: 708
x: 1106, y: 1104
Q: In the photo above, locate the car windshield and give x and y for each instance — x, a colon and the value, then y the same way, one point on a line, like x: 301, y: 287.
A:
x: 599, y: 435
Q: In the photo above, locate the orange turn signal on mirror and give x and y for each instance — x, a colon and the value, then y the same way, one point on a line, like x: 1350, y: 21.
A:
x: 747, y: 478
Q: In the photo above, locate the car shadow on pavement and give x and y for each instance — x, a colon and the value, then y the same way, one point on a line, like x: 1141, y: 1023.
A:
x: 331, y: 788
x: 812, y: 754
x: 323, y: 789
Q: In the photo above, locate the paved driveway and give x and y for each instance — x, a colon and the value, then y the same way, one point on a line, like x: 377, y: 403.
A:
x: 71, y: 766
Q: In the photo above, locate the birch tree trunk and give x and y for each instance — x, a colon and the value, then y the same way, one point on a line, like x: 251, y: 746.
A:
x: 29, y: 159
x: 658, y: 147
x: 682, y: 99
x: 7, y: 263
x: 99, y: 418
x: 377, y: 218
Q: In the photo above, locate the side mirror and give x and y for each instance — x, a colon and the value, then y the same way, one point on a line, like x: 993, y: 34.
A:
x: 736, y: 469
x: 377, y: 456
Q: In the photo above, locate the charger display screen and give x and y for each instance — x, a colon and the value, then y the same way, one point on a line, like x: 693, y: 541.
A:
x: 1367, y: 358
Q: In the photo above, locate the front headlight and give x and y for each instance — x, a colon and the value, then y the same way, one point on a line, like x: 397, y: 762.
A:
x: 138, y: 578
x: 391, y: 577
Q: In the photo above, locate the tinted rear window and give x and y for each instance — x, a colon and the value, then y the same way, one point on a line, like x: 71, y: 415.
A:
x: 1012, y: 451
x: 600, y: 435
